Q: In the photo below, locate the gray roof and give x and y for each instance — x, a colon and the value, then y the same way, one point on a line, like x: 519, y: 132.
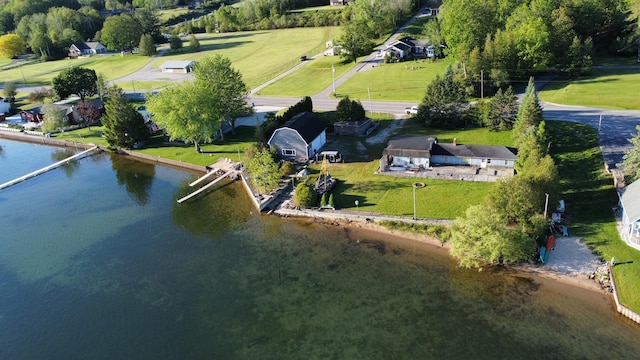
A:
x: 630, y: 199
x: 177, y: 64
x: 307, y: 124
x: 475, y: 151
x: 410, y: 146
x: 426, y: 146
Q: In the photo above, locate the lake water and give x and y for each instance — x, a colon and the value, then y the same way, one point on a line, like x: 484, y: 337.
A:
x: 98, y: 261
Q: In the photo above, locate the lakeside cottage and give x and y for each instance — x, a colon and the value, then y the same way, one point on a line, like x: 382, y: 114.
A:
x: 629, y: 210
x: 300, y: 138
x: 422, y: 153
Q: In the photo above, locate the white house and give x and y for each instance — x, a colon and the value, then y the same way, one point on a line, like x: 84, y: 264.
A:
x: 178, y: 66
x: 300, y: 138
x: 629, y: 205
x: 86, y: 48
x: 421, y: 152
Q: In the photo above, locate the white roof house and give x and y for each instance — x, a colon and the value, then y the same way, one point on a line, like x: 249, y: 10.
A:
x: 178, y: 66
x: 629, y: 206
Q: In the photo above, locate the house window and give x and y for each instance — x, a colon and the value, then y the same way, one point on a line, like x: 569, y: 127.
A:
x: 488, y: 161
x: 288, y: 152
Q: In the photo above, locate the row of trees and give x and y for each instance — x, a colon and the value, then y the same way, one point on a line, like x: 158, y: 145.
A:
x: 504, y: 38
x: 510, y: 224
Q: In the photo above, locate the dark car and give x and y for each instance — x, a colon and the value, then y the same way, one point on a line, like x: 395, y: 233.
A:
x: 303, y: 57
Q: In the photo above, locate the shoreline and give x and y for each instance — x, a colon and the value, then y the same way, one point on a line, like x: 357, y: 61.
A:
x: 403, y: 238
x: 348, y: 219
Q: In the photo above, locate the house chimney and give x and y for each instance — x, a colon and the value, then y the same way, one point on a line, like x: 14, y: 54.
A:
x: 455, y: 141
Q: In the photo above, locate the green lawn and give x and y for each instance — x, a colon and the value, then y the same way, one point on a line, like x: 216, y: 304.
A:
x: 310, y: 79
x: 261, y: 55
x: 112, y: 66
x: 405, y: 81
x: 602, y: 89
x: 590, y: 197
x: 394, y: 195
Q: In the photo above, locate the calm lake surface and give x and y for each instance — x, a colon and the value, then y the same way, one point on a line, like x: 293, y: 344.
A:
x: 98, y: 261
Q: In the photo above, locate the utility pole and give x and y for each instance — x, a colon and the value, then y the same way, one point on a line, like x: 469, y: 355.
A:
x: 333, y: 78
x: 370, y: 104
x: 481, y: 84
x: 599, y: 124
x: 414, y: 201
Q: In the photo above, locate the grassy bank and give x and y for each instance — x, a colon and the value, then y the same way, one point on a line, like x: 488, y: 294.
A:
x: 590, y: 196
x: 607, y: 89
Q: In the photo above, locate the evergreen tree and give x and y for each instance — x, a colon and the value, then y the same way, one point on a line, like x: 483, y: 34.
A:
x: 349, y: 110
x: 123, y: 125
x: 631, y: 159
x: 147, y: 45
x: 194, y: 43
x: 529, y: 113
x: 175, y: 43
x: 500, y: 112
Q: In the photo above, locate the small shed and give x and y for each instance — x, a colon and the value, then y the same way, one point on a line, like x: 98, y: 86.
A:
x: 300, y: 138
x: 178, y: 66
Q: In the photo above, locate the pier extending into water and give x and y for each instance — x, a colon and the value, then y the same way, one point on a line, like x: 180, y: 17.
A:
x: 224, y: 168
x: 47, y: 168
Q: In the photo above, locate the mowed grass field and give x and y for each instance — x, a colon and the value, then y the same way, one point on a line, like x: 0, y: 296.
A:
x: 607, y: 89
x: 112, y: 66
x: 405, y: 81
x: 258, y: 55
x: 261, y: 55
x: 315, y: 76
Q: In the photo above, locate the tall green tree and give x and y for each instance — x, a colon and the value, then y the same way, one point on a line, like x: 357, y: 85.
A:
x: 500, y: 112
x: 264, y: 171
x: 444, y: 102
x: 194, y: 43
x: 355, y: 41
x: 185, y: 113
x: 631, y: 159
x: 123, y: 125
x: 349, y: 110
x: 53, y: 118
x: 175, y: 43
x: 121, y: 32
x: 147, y: 45
x: 483, y: 237
x: 9, y: 91
x: 224, y: 88
x: 75, y: 81
x: 149, y: 23
x: 529, y: 113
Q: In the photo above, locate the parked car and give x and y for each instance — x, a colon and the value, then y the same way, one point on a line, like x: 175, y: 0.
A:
x: 303, y: 57
x: 411, y: 110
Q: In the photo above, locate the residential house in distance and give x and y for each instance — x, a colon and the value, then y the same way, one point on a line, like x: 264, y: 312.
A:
x: 300, y: 138
x: 86, y: 48
x: 178, y: 66
x: 425, y: 155
x: 339, y: 2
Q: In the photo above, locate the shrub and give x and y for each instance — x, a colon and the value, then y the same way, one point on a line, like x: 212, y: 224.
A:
x: 305, y: 196
x: 287, y: 168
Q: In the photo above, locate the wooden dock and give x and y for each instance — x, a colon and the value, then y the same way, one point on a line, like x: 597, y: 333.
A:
x: 224, y: 168
x: 47, y: 168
